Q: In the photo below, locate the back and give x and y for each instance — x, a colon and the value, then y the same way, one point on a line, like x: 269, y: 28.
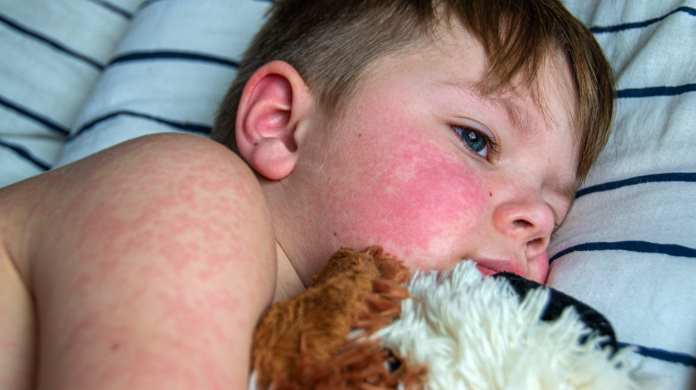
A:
x: 148, y: 263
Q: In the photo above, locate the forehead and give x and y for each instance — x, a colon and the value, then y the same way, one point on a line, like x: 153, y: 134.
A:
x: 451, y: 56
x: 549, y: 88
x: 453, y: 60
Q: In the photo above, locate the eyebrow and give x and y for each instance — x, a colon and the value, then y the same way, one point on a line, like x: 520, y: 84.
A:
x: 506, y: 104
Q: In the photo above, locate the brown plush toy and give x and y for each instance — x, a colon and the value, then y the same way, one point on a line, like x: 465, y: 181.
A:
x: 303, y: 342
x: 366, y: 323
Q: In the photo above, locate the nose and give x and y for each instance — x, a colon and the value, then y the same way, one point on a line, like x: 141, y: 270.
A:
x: 528, y: 224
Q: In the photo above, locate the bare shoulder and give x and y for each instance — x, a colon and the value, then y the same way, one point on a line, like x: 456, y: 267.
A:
x: 158, y: 159
x: 190, y: 172
x: 167, y: 239
x: 175, y: 173
x: 167, y: 179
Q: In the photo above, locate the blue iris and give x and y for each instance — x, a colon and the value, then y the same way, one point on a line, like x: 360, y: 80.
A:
x: 474, y: 139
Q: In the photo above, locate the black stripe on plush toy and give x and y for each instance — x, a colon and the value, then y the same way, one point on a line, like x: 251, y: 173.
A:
x: 558, y: 302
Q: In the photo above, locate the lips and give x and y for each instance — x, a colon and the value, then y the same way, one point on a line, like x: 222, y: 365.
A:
x: 493, y: 266
x: 485, y: 270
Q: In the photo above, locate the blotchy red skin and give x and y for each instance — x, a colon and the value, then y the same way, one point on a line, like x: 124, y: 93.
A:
x: 418, y: 201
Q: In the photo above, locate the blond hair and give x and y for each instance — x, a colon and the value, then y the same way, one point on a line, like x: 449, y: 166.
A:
x: 331, y: 42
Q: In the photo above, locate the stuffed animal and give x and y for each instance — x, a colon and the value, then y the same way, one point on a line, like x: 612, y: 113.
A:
x: 367, y: 323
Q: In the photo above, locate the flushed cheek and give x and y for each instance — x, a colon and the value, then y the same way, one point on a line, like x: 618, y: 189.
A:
x: 419, y: 204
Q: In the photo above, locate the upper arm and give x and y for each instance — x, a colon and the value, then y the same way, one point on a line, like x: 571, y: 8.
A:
x: 160, y: 246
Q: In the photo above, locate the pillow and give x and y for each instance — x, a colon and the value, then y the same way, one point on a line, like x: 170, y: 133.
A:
x: 168, y: 74
x: 628, y: 243
x: 628, y: 247
x: 49, y: 66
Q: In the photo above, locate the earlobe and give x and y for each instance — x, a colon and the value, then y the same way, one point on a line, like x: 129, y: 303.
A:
x: 272, y: 158
x: 273, y: 106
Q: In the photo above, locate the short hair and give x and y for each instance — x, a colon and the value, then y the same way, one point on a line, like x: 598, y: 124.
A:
x: 330, y: 43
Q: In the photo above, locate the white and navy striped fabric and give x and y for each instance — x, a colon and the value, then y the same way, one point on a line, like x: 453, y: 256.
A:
x: 628, y: 247
x: 52, y: 54
x: 169, y: 73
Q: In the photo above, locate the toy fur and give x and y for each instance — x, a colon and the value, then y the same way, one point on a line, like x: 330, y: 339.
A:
x: 359, y: 327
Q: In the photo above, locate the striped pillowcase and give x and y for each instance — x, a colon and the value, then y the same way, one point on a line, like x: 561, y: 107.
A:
x: 168, y: 74
x: 628, y: 247
x: 49, y: 66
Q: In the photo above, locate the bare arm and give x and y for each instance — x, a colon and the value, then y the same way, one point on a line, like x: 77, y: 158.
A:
x: 150, y: 264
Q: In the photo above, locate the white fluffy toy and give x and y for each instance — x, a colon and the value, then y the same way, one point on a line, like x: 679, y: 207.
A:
x: 367, y: 324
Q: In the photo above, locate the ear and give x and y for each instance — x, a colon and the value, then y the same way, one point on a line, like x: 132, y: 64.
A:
x: 272, y: 110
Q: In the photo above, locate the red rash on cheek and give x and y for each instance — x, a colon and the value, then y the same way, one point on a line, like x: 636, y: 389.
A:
x: 418, y: 199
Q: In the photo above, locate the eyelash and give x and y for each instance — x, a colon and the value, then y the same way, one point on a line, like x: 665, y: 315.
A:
x: 557, y: 222
x: 491, y: 144
x: 555, y: 230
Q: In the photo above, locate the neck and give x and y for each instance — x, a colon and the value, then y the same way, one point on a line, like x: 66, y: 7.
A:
x: 288, y: 283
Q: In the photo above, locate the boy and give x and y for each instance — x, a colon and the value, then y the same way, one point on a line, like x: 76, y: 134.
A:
x: 441, y: 130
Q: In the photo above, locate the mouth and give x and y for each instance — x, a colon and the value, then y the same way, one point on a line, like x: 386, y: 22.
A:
x: 485, y: 270
x: 490, y: 267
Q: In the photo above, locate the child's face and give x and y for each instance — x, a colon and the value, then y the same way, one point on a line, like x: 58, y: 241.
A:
x: 408, y: 166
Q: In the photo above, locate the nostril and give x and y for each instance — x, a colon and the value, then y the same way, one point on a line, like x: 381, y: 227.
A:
x: 537, y: 244
x: 522, y: 223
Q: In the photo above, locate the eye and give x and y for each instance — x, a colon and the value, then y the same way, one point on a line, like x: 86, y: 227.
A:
x: 556, y: 226
x: 475, y: 140
x: 559, y: 216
